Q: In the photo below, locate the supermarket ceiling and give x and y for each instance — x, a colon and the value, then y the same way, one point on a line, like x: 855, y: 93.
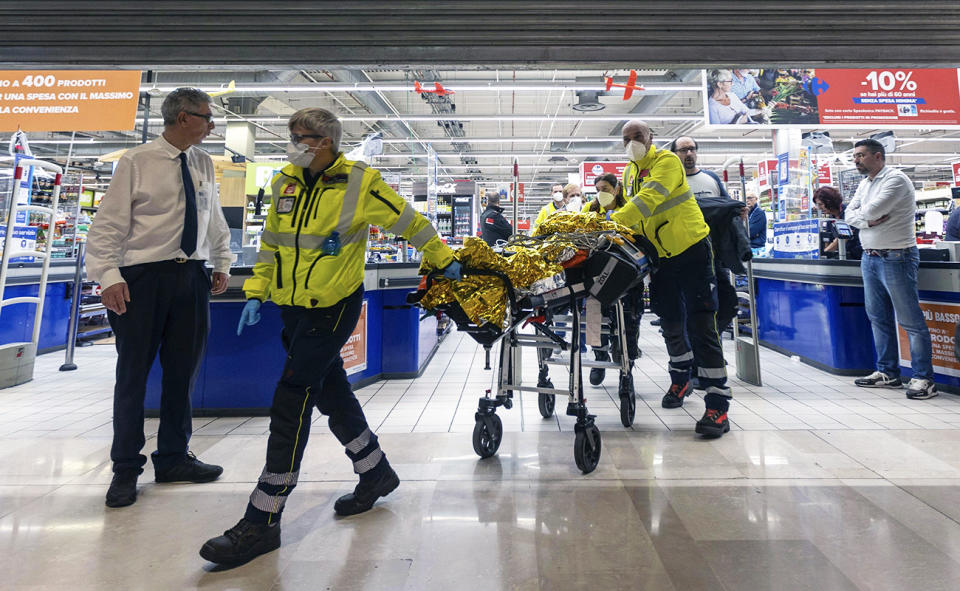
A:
x: 528, y: 77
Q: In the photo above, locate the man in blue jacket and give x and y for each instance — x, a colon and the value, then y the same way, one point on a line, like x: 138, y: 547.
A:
x: 758, y: 223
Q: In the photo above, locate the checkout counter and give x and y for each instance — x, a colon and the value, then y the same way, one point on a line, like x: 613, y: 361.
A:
x: 238, y: 374
x: 814, y: 309
x: 16, y: 321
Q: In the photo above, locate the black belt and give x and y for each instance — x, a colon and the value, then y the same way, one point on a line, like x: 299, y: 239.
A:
x: 882, y: 252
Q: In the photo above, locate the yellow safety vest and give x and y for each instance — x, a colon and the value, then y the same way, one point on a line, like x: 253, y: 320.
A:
x: 292, y: 269
x: 545, y: 212
x: 660, y: 204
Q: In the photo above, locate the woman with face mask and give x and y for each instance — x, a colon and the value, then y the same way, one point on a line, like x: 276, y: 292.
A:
x: 609, y: 199
x: 609, y: 196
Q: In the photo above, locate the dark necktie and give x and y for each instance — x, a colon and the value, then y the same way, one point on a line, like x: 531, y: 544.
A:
x: 188, y: 242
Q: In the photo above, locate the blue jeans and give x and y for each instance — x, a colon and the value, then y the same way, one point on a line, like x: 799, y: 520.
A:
x: 890, y: 285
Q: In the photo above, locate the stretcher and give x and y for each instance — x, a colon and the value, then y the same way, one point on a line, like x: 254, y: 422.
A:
x: 602, y: 279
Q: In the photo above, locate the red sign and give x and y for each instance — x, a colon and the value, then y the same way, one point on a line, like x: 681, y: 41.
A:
x: 354, y: 352
x: 765, y: 168
x: 590, y: 170
x: 519, y: 193
x: 956, y: 174
x: 942, y: 321
x: 916, y: 97
x: 824, y: 173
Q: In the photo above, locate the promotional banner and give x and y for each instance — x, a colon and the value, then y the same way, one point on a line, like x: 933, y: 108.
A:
x: 354, y: 352
x: 24, y: 239
x: 956, y: 174
x: 824, y: 173
x: 942, y: 321
x: 911, y: 97
x: 796, y: 240
x: 765, y: 169
x: 69, y: 100
x: 590, y: 170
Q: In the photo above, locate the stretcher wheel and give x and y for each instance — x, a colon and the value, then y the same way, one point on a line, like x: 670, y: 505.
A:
x: 587, y: 455
x: 486, y: 437
x: 546, y: 403
x: 628, y: 408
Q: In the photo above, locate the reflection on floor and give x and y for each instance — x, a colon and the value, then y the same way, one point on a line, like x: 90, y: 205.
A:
x: 820, y: 485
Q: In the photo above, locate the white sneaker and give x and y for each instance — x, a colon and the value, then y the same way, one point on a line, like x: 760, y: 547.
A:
x: 919, y: 389
x: 878, y: 379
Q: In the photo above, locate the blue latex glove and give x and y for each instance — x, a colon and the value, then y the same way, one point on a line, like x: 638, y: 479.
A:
x: 249, y: 316
x: 453, y: 271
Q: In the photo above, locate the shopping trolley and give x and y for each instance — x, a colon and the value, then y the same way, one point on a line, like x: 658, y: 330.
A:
x: 604, y: 277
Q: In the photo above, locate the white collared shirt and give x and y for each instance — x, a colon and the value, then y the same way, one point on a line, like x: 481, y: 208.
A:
x: 889, y: 193
x: 140, y: 219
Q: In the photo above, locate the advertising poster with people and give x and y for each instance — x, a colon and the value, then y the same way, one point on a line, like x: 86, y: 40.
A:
x: 832, y: 97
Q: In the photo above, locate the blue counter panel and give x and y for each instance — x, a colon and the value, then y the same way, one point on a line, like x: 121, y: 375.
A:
x: 16, y: 322
x: 242, y: 372
x: 826, y: 324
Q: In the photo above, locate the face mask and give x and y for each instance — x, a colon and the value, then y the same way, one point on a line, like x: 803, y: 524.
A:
x: 558, y: 196
x: 606, y: 199
x: 299, y: 155
x: 575, y: 204
x: 635, y: 150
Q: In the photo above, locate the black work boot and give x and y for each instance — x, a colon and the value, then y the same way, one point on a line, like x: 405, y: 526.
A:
x: 189, y: 470
x: 713, y: 424
x: 676, y: 395
x: 123, y: 488
x: 367, y: 492
x: 242, y: 543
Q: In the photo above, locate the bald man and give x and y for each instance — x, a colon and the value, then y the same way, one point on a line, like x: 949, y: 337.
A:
x: 661, y: 206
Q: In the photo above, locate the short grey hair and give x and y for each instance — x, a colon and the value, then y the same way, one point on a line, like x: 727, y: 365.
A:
x: 319, y: 120
x: 715, y: 76
x: 182, y: 99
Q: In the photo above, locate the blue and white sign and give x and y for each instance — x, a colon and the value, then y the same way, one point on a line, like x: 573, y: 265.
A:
x: 783, y: 168
x: 796, y: 240
x: 24, y: 239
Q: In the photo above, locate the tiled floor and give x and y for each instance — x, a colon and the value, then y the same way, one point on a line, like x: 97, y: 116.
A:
x: 820, y: 485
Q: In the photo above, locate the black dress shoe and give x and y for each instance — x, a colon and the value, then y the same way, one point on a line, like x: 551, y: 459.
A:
x: 242, y: 543
x: 123, y: 488
x: 366, y: 494
x: 596, y: 375
x: 189, y: 470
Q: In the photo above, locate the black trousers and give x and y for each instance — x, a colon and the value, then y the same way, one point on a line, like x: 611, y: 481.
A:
x: 727, y: 301
x: 168, y: 311
x: 313, y: 375
x: 684, y: 289
x: 632, y: 313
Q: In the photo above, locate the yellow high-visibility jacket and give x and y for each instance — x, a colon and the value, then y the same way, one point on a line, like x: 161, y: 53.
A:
x: 292, y: 269
x: 660, y: 204
x: 546, y: 211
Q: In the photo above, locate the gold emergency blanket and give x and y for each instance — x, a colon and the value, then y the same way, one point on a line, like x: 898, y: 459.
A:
x: 484, y: 298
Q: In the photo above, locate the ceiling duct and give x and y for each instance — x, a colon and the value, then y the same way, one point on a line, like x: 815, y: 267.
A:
x: 589, y: 100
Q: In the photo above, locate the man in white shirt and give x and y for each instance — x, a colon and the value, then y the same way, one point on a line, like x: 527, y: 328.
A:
x: 159, y: 221
x: 884, y: 208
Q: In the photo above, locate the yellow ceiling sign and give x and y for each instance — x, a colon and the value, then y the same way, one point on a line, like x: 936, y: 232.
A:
x: 69, y: 100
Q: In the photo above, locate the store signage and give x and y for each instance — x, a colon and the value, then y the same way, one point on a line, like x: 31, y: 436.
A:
x: 824, y: 173
x: 783, y: 168
x: 956, y: 174
x: 590, y: 170
x: 354, y: 353
x: 69, y: 100
x: 796, y: 240
x: 942, y: 321
x: 911, y: 97
x: 520, y: 194
x: 765, y: 169
x: 24, y: 239
x: 259, y: 175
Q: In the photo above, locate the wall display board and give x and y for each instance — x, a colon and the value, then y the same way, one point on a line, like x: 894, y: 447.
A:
x: 942, y: 320
x: 796, y: 240
x: 69, y: 100
x: 590, y: 170
x: 833, y: 97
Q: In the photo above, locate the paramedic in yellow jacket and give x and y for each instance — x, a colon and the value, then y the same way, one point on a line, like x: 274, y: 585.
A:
x: 557, y: 203
x: 661, y: 206
x: 311, y: 264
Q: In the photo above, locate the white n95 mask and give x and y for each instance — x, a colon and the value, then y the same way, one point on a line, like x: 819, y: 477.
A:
x: 558, y: 196
x: 635, y: 150
x: 606, y: 199
x: 299, y: 155
x: 575, y: 204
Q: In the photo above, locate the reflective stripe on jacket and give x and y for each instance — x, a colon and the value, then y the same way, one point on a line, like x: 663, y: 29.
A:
x: 292, y: 269
x: 660, y: 204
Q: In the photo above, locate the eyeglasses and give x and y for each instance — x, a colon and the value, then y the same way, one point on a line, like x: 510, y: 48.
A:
x: 207, y: 116
x: 724, y: 81
x: 296, y: 138
x: 685, y: 150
